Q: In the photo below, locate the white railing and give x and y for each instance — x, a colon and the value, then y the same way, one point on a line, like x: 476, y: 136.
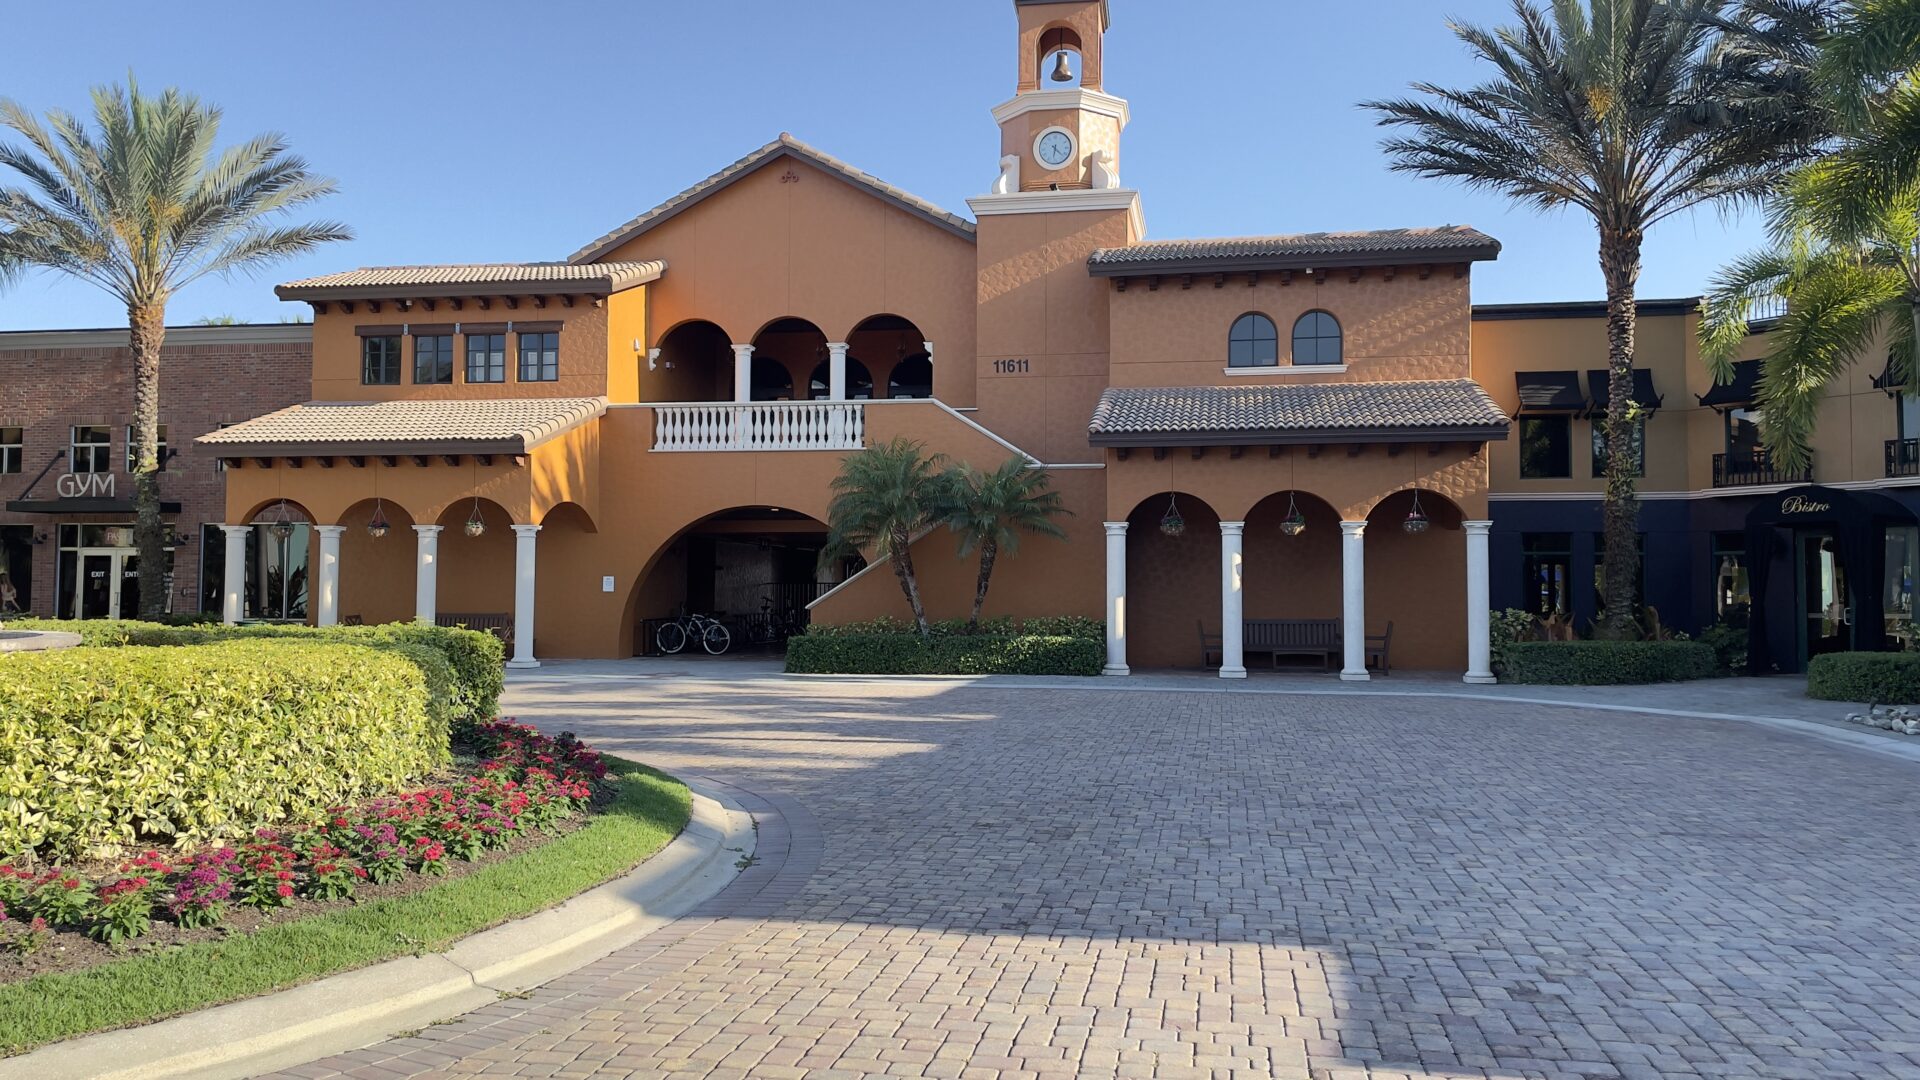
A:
x: 763, y: 425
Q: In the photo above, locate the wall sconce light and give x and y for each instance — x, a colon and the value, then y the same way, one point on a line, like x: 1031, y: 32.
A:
x: 40, y: 538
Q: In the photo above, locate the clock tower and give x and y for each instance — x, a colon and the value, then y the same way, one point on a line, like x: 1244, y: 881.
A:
x: 1042, y: 330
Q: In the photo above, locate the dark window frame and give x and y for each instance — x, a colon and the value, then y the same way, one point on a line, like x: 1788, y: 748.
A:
x: 1598, y: 442
x: 442, y: 356
x: 1564, y: 424
x: 1318, y: 337
x: 1744, y: 453
x: 1538, y: 550
x: 383, y: 350
x: 491, y: 349
x: 132, y: 435
x: 99, y: 454
x: 545, y: 353
x: 1254, y: 330
x: 13, y: 450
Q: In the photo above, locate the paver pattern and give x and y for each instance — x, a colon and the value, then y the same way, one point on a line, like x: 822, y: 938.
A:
x: 961, y: 881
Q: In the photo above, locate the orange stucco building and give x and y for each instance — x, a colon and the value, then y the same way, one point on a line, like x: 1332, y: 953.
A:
x: 1245, y: 430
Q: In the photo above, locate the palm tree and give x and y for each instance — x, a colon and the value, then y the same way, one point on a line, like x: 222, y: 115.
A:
x: 989, y: 512
x: 1630, y: 111
x: 140, y: 207
x: 885, y: 498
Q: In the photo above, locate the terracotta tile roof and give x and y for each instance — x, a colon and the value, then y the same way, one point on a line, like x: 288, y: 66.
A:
x: 785, y: 145
x: 1441, y: 410
x: 467, y: 279
x: 501, y: 426
x: 1451, y: 243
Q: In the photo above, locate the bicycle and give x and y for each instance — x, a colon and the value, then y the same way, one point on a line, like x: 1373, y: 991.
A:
x: 673, y: 636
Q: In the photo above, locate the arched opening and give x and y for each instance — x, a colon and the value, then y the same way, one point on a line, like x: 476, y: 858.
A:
x: 695, y: 364
x: 475, y: 575
x: 895, y: 350
x: 1173, y: 579
x: 859, y: 381
x: 754, y: 569
x: 98, y: 575
x: 1049, y: 68
x: 377, y: 571
x: 1291, y: 557
x: 785, y: 352
x: 1417, y: 581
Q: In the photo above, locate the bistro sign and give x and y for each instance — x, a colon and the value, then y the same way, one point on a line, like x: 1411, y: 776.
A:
x: 1800, y: 504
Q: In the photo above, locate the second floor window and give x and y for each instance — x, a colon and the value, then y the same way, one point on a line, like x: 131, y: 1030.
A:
x: 433, y: 359
x: 1639, y: 428
x: 91, y: 450
x: 486, y: 358
x: 133, y: 447
x: 13, y: 446
x: 1909, y: 415
x: 539, y: 357
x: 1545, y: 448
x: 1743, y: 436
x: 1317, y: 340
x: 1253, y: 342
x: 379, y: 361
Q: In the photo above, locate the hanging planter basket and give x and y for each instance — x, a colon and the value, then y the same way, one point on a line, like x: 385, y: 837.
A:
x: 282, y: 527
x: 1171, y: 523
x: 475, y: 525
x: 1416, y: 522
x: 1295, y: 522
x: 377, y: 526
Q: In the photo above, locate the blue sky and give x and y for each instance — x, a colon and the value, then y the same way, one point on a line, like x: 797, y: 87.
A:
x: 509, y: 131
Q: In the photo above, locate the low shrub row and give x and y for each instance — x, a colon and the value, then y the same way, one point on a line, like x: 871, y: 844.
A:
x: 473, y: 678
x: 906, y: 653
x: 1602, y: 663
x: 1877, y: 678
x: 1073, y: 626
x: 526, y: 782
x: 104, y: 748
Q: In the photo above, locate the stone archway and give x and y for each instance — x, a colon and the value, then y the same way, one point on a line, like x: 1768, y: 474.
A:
x: 1173, y: 580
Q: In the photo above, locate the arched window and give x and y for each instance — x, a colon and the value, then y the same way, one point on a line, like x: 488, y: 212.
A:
x: 912, y: 378
x: 859, y: 383
x: 771, y: 381
x: 1316, y: 340
x: 1253, y: 342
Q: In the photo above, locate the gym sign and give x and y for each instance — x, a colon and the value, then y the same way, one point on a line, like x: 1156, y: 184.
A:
x: 84, y: 486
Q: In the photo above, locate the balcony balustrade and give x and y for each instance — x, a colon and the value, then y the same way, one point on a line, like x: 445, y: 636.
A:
x: 1754, y: 468
x: 761, y: 425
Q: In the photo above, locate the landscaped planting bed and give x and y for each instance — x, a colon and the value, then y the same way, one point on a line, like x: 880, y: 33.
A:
x: 1040, y: 646
x: 1603, y: 663
x: 1877, y: 678
x: 519, y: 822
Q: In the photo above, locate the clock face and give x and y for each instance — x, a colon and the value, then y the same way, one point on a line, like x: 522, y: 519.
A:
x: 1054, y: 149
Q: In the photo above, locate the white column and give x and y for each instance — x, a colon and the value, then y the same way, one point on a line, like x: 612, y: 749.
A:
x: 426, y: 567
x: 1479, y: 603
x: 1353, y: 600
x: 742, y: 373
x: 1232, y: 662
x: 328, y: 585
x: 233, y: 590
x: 1116, y: 598
x: 523, y: 564
x: 836, y: 371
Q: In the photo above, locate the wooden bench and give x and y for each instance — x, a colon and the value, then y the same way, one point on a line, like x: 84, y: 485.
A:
x: 1292, y: 637
x: 1377, y: 646
x: 499, y: 624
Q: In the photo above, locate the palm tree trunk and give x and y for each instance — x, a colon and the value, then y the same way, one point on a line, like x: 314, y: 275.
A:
x: 903, y: 569
x: 147, y: 326
x: 1620, y: 567
x: 989, y: 551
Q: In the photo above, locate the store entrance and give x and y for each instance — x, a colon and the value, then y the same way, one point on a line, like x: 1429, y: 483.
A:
x: 1827, y: 613
x: 108, y: 584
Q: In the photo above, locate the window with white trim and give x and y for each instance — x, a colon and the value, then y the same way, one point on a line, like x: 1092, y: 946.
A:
x: 13, y: 447
x: 133, y: 447
x: 91, y: 449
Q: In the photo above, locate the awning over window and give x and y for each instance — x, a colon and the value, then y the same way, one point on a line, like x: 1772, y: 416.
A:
x: 1741, y: 391
x: 1549, y: 391
x: 1887, y: 380
x: 1643, y: 394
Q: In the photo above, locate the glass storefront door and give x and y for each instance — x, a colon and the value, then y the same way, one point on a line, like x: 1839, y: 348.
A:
x: 1823, y: 596
x: 108, y: 584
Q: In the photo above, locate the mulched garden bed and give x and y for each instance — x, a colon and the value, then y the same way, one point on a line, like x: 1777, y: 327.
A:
x: 65, y: 945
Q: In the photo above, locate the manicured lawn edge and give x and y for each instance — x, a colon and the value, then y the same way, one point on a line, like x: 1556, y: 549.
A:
x: 648, y: 811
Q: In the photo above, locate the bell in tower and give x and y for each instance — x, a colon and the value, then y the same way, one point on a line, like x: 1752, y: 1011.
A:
x: 1062, y: 71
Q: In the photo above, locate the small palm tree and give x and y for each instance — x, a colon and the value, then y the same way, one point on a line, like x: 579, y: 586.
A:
x: 989, y: 511
x: 885, y: 498
x: 1630, y: 111
x: 140, y: 207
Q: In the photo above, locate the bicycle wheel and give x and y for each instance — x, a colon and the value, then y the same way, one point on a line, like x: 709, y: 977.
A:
x: 716, y: 639
x: 670, y: 638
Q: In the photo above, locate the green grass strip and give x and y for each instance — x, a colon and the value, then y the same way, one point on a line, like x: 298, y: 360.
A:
x: 648, y: 811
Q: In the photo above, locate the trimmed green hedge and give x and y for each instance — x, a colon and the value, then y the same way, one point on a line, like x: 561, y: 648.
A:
x: 906, y: 654
x: 1602, y: 663
x: 1877, y: 678
x: 474, y: 682
x: 116, y: 746
x: 1075, y: 626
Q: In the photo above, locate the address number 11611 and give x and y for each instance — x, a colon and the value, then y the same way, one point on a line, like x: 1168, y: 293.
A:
x: 1018, y: 366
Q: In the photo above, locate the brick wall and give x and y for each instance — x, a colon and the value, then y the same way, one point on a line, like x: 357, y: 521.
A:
x: 52, y: 381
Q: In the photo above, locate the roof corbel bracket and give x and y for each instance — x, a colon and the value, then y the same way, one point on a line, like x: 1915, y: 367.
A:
x: 512, y: 302
x: 325, y: 462
x: 1186, y: 281
x: 540, y: 301
x: 1234, y: 452
x: 356, y: 461
x: 1395, y: 449
x: 484, y: 459
x: 346, y: 306
x: 1275, y: 450
x: 294, y: 462
x: 390, y: 460
x: 1313, y: 450
x: 1120, y: 452
x: 1426, y: 271
x: 427, y: 302
x: 1253, y: 278
x: 1355, y: 274
x: 319, y: 307
x: 456, y: 303
x: 419, y: 460
x: 451, y: 459
x: 373, y: 306
x: 1219, y: 281
x: 566, y: 299
x: 1355, y: 449
x: 1199, y: 452
x: 1387, y: 272
x: 1153, y: 283
x: 1433, y: 449
x: 483, y: 303
x: 1119, y: 284
x: 1286, y: 277
x: 1159, y: 453
x: 517, y: 459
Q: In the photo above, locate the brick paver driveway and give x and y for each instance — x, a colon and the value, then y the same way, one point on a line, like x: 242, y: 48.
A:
x: 1099, y: 882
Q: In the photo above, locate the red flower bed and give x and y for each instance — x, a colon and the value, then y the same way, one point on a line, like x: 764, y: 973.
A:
x: 527, y: 782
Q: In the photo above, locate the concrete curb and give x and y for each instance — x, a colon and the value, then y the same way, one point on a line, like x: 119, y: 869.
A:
x: 355, y: 1008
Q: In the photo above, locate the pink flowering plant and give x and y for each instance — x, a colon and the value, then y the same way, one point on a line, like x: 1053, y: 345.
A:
x: 526, y: 782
